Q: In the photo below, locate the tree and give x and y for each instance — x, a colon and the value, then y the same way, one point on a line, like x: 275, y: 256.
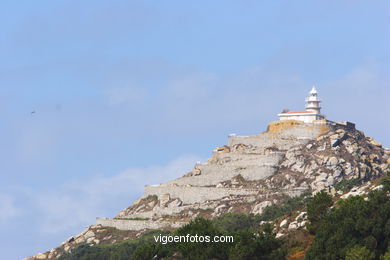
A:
x: 359, y: 253
x: 201, y: 250
x: 232, y: 222
x: 354, y: 222
x: 145, y: 251
x: 386, y: 182
x: 262, y: 245
x: 317, y: 208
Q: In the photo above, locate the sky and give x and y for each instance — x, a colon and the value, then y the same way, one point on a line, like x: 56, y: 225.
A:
x: 129, y: 93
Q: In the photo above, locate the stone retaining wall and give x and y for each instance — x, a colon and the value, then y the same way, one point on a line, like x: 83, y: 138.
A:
x: 239, y: 158
x: 191, y: 195
x: 283, y: 140
x: 122, y: 224
x: 252, y: 167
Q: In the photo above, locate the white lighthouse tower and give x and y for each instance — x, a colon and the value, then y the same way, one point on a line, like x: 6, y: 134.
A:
x: 312, y: 112
x: 312, y: 102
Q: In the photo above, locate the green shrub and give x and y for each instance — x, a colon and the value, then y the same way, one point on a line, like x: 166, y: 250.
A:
x: 261, y: 245
x: 386, y: 182
x: 317, y: 208
x: 355, y: 222
x: 232, y: 222
x: 289, y: 205
x: 117, y: 251
x: 359, y: 253
x: 345, y: 185
x: 151, y: 250
x: 204, y: 250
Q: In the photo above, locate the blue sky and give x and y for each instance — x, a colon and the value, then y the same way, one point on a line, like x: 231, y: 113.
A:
x: 129, y: 93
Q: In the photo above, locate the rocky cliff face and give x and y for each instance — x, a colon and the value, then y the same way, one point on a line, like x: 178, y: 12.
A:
x: 247, y: 175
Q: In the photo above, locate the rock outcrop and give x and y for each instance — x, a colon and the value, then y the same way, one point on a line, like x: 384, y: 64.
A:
x: 249, y: 174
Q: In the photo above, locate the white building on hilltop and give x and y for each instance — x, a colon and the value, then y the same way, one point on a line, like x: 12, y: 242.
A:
x: 312, y: 112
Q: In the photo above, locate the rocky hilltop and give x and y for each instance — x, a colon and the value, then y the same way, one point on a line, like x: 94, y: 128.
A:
x: 247, y: 175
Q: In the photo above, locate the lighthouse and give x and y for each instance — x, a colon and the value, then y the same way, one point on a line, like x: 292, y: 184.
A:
x: 312, y: 112
x: 312, y: 102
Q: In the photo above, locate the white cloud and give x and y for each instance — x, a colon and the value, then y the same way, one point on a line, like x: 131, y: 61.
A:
x: 77, y: 203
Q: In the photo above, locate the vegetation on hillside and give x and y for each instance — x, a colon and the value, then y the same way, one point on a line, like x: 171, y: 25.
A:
x: 351, y: 229
x: 250, y: 241
x: 355, y: 228
x: 289, y: 205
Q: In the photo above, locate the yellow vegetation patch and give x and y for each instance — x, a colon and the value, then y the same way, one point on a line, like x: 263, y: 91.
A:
x: 297, y: 255
x: 278, y: 126
x: 282, y: 125
x: 324, y: 129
